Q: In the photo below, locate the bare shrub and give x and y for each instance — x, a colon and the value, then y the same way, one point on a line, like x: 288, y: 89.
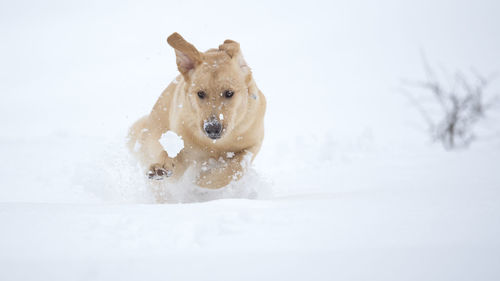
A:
x: 452, y: 110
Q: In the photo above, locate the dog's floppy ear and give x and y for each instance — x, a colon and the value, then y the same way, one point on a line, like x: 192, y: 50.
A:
x: 232, y: 48
x: 187, y: 56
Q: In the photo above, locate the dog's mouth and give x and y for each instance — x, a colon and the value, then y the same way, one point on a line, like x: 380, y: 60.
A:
x: 213, y: 128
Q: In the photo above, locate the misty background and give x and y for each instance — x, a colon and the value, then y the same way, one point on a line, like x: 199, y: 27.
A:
x: 349, y: 183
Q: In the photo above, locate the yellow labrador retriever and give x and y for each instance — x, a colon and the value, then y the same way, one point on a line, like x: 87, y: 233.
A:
x: 214, y: 105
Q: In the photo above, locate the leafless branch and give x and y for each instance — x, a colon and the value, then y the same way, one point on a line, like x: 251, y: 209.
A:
x: 462, y: 104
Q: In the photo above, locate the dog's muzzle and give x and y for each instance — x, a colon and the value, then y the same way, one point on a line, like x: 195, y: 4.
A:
x: 212, y: 128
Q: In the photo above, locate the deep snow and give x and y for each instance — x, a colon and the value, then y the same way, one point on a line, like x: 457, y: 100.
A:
x: 346, y: 186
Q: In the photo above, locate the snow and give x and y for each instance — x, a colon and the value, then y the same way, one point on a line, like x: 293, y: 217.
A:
x: 171, y: 143
x: 137, y: 146
x: 346, y: 185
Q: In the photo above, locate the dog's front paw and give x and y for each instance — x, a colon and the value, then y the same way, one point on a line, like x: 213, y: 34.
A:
x: 158, y: 172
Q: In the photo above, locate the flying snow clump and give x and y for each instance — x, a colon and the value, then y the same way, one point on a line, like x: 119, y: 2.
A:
x: 171, y: 143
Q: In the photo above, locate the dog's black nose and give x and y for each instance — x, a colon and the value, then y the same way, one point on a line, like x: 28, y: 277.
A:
x: 213, y: 128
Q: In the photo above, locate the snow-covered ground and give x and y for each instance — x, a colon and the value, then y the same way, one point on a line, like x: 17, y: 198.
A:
x: 346, y: 187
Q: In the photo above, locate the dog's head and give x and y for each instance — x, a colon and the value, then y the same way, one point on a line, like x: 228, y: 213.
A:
x: 218, y: 85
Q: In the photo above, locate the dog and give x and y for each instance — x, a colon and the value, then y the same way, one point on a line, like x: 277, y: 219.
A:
x: 214, y: 105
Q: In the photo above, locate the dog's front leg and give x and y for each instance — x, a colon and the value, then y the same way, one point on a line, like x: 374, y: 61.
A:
x: 166, y: 167
x: 223, y: 171
x: 162, y: 168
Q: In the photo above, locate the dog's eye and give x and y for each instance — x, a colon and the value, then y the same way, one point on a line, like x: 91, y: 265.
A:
x: 228, y: 93
x: 201, y: 94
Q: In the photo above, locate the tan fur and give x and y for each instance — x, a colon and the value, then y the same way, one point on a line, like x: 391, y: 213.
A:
x: 179, y: 109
